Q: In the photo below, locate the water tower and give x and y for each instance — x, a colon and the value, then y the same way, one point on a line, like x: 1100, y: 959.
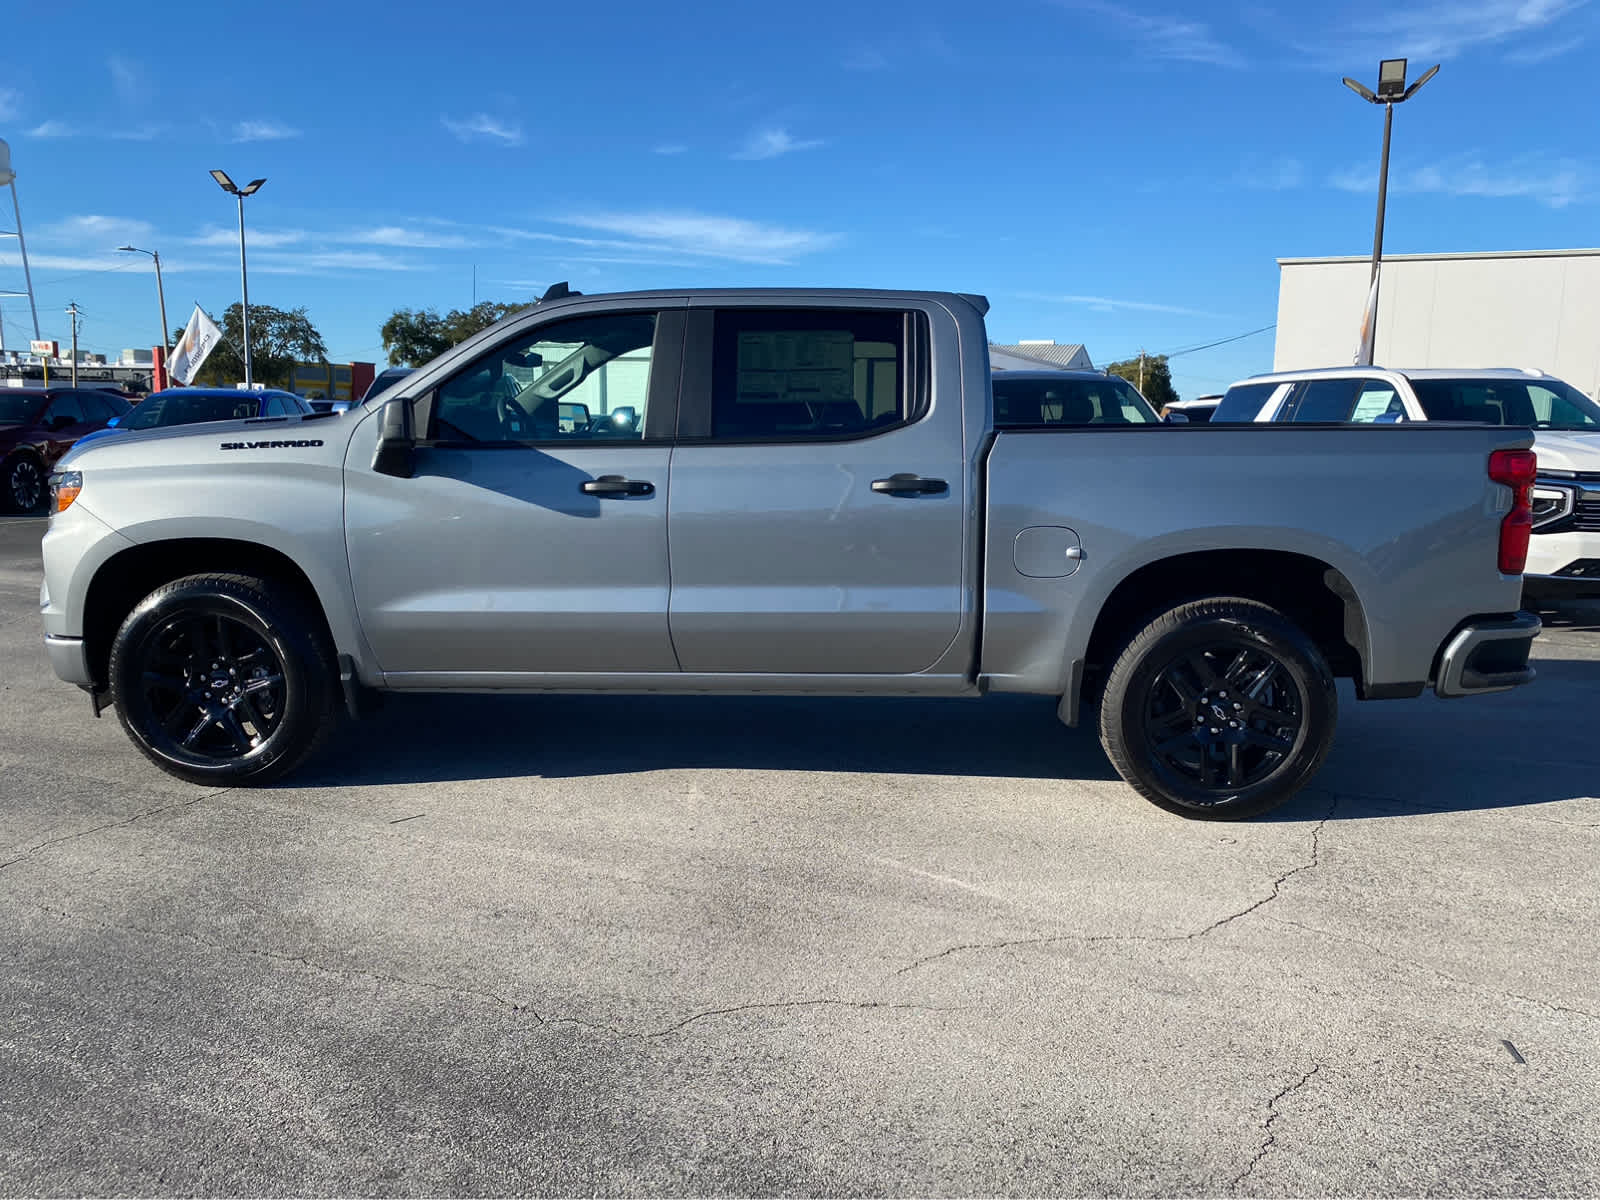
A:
x: 8, y: 178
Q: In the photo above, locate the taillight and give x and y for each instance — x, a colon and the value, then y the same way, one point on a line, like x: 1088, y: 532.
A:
x: 1517, y: 469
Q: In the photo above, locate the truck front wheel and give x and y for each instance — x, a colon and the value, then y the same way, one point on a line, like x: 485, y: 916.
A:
x: 223, y: 679
x: 1219, y: 709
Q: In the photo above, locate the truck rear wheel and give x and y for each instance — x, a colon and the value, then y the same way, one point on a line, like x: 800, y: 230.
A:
x: 223, y: 679
x: 1219, y: 709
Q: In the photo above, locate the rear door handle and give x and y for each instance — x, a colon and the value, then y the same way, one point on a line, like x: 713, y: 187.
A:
x: 616, y: 485
x: 906, y: 484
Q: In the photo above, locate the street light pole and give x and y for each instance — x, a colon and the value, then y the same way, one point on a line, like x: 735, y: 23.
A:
x: 161, y: 298
x: 249, y: 189
x: 1392, y: 90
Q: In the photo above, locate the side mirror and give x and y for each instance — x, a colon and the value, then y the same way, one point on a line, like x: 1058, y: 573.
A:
x: 61, y: 421
x: 1176, y: 419
x: 396, y: 451
x: 114, y: 422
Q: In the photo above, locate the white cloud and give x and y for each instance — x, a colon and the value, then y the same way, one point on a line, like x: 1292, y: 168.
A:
x: 394, y: 235
x: 1175, y: 39
x: 772, y: 143
x: 1109, y: 304
x: 1555, y: 182
x: 10, y: 104
x: 1539, y: 52
x: 1271, y: 175
x: 141, y: 133
x: 705, y: 236
x: 328, y: 262
x: 95, y: 229
x: 128, y: 78
x: 669, y: 148
x: 263, y: 131
x: 264, y: 239
x: 52, y: 129
x: 480, y: 127
x: 1442, y: 30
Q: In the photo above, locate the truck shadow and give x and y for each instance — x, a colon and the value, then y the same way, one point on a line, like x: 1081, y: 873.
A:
x: 425, y: 739
x: 1390, y: 759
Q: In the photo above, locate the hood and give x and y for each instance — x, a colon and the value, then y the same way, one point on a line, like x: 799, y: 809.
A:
x: 208, y: 434
x: 1567, y: 451
x: 108, y: 431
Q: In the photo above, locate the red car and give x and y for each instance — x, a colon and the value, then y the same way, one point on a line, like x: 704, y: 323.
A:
x: 37, y: 426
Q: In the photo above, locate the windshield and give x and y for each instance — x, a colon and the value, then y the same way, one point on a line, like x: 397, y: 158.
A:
x: 1069, y: 401
x: 1543, y: 404
x: 20, y: 409
x: 180, y: 408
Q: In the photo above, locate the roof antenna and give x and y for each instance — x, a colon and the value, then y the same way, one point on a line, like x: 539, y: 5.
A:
x: 557, y: 291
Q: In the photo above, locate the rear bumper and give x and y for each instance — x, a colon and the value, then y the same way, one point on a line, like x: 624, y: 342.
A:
x: 1488, y: 654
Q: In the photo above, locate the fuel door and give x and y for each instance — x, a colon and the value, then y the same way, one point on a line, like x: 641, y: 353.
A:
x: 1047, y: 552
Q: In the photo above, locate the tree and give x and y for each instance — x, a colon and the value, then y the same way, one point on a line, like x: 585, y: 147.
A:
x: 278, y: 340
x: 1157, y: 386
x: 412, y: 336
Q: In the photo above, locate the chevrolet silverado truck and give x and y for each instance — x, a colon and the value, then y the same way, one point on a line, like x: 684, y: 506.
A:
x: 792, y: 491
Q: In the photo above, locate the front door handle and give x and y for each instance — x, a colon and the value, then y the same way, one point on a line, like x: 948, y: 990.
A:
x: 906, y: 484
x: 616, y: 485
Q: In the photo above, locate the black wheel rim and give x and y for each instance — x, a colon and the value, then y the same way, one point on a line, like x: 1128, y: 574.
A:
x: 211, y: 689
x: 1222, y: 718
x: 27, y: 484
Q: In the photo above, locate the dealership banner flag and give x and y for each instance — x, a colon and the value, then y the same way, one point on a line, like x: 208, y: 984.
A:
x: 1369, y: 326
x: 200, y: 338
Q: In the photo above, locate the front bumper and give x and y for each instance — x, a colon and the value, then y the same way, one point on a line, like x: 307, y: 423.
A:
x: 1488, y: 654
x: 68, y: 659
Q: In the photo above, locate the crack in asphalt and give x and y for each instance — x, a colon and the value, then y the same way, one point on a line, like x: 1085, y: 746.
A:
x: 1435, y: 971
x: 306, y: 961
x: 1091, y: 939
x: 1273, y: 1114
x: 139, y: 816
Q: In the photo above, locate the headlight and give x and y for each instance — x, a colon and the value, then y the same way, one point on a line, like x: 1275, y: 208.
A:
x: 1551, y: 502
x: 64, y: 489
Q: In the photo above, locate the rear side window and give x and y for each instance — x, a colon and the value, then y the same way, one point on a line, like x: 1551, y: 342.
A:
x: 798, y: 376
x: 1243, y: 401
x: 1321, y: 401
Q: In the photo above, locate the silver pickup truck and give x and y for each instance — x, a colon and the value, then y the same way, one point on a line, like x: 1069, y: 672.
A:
x: 796, y: 491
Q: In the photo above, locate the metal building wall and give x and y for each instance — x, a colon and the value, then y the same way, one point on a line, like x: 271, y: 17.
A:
x: 1517, y: 309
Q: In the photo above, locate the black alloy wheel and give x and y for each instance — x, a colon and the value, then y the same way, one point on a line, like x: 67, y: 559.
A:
x: 24, y: 483
x: 1223, y: 717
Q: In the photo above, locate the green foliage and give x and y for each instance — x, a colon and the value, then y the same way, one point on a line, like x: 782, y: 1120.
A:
x: 278, y: 339
x: 1157, y: 385
x: 413, y: 336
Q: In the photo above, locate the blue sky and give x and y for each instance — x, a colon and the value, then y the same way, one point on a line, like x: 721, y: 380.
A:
x: 1118, y: 172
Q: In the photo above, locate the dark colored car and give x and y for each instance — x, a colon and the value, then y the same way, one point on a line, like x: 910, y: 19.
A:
x: 190, y: 406
x: 384, y: 380
x: 37, y: 426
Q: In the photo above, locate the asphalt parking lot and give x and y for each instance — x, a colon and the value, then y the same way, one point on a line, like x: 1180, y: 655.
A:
x: 619, y: 945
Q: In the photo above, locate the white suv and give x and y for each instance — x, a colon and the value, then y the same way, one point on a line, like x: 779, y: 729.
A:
x: 1564, y: 558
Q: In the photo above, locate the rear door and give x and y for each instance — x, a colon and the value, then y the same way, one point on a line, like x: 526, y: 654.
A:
x: 818, y: 496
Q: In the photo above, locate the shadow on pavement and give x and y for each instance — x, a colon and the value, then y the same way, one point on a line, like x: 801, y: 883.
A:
x: 424, y: 739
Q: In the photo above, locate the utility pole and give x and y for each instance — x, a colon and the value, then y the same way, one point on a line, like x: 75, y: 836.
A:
x: 1141, y: 370
x: 72, y: 311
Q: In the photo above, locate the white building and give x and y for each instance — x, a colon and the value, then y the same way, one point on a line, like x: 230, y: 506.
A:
x: 1517, y: 308
x: 1036, y: 355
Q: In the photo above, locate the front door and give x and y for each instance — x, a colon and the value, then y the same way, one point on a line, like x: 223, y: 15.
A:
x: 818, y: 496
x: 532, y: 536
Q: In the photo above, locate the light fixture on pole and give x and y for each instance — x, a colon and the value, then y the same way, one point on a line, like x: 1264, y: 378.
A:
x: 249, y: 189
x: 1392, y: 90
x: 161, y: 297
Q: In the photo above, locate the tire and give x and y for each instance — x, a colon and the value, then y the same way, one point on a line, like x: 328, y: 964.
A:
x: 224, y: 679
x: 24, y: 483
x: 1219, y: 710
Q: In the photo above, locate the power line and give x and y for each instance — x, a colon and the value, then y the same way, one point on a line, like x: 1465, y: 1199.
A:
x: 1238, y: 337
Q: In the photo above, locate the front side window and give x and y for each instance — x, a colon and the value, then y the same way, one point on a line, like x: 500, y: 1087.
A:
x: 586, y: 379
x: 95, y: 409
x: 1377, y: 399
x: 797, y: 376
x: 1549, y: 404
x: 66, y: 409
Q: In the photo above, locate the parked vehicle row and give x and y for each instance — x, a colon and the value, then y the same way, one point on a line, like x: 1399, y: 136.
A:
x: 847, y: 507
x: 37, y: 426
